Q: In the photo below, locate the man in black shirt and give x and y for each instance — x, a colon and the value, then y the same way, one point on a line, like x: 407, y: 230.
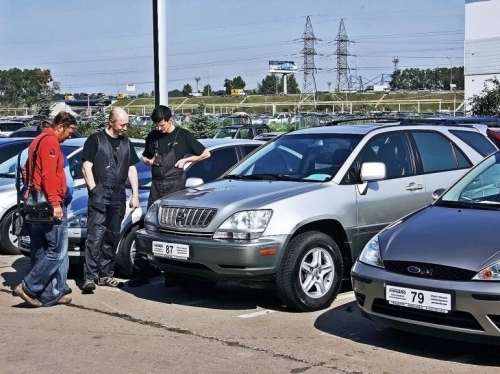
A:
x: 108, y: 160
x: 164, y: 151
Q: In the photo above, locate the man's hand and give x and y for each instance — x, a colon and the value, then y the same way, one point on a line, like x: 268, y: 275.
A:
x: 58, y: 213
x: 133, y: 203
x: 180, y: 164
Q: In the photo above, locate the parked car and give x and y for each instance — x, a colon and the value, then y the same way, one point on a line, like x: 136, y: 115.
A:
x: 241, y: 131
x: 7, y: 127
x: 11, y: 147
x: 436, y: 271
x: 8, y: 197
x: 224, y: 154
x: 30, y: 132
x: 296, y: 213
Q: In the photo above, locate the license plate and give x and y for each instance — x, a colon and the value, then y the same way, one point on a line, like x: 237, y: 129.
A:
x: 171, y: 250
x: 418, y: 299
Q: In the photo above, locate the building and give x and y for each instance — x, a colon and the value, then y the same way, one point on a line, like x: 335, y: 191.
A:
x: 482, y: 44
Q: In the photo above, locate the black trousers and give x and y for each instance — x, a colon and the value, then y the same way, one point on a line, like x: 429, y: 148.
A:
x: 106, y: 209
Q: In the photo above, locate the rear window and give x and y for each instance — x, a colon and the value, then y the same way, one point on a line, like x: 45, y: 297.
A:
x: 68, y: 149
x: 476, y: 141
x: 11, y: 126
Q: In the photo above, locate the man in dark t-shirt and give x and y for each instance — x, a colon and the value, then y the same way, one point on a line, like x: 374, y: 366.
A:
x: 108, y: 160
x: 164, y: 152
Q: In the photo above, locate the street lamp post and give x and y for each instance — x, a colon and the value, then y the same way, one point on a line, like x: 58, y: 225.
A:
x: 451, y: 70
x: 208, y: 80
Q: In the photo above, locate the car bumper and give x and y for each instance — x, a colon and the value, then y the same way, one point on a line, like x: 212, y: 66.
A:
x: 240, y: 262
x: 475, y: 315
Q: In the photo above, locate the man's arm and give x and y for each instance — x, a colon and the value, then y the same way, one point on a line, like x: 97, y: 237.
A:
x: 87, y: 175
x: 134, y: 183
x: 148, y: 161
x: 193, y: 158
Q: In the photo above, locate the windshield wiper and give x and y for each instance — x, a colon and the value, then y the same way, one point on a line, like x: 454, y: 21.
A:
x: 240, y: 176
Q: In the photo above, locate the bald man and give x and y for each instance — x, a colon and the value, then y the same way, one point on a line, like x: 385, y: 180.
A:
x: 108, y: 160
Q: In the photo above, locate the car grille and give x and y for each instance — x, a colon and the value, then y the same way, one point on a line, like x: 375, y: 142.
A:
x: 188, y: 234
x: 430, y: 271
x: 181, y: 217
x: 454, y: 319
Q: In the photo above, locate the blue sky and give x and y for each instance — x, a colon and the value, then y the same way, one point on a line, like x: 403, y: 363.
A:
x: 99, y: 46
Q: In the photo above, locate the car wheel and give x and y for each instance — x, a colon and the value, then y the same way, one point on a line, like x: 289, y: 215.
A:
x: 126, y: 253
x: 193, y: 286
x: 8, y: 241
x: 310, y: 273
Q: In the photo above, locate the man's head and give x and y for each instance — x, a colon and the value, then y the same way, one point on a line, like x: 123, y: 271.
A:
x: 118, y: 121
x: 162, y: 117
x: 64, y: 124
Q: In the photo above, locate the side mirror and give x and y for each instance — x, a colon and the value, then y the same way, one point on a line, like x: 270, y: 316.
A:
x: 193, y: 182
x: 370, y: 172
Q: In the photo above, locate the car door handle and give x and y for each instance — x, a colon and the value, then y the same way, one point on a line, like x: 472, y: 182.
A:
x: 414, y: 187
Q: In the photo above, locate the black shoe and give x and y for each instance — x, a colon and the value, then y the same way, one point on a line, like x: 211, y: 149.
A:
x: 88, y: 286
x: 137, y: 282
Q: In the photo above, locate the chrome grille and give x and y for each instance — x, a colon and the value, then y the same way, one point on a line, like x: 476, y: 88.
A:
x: 181, y: 217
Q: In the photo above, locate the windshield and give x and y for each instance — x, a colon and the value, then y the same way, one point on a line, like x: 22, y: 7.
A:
x: 479, y: 188
x: 307, y: 157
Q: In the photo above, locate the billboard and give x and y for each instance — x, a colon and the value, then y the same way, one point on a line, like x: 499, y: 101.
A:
x: 287, y: 67
x: 130, y: 87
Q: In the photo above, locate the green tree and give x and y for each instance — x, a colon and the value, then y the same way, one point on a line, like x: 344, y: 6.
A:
x: 269, y: 85
x: 21, y: 87
x: 98, y: 122
x: 44, y: 101
x: 207, y: 90
x: 487, y: 103
x: 228, y: 84
x: 186, y: 90
x: 201, y: 125
x: 236, y: 82
x: 175, y: 93
x: 292, y: 85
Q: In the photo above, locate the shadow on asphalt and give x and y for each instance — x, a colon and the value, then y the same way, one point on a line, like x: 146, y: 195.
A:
x: 223, y: 297
x: 347, y: 322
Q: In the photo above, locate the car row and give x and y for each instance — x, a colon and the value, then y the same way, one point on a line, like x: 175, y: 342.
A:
x: 296, y: 214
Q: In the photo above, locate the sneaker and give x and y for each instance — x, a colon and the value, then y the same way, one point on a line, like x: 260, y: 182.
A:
x: 65, y: 300
x: 88, y: 286
x: 138, y: 282
x: 19, y: 291
x: 110, y: 282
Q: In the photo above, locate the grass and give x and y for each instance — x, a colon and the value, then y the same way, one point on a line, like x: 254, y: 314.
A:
x: 411, y: 101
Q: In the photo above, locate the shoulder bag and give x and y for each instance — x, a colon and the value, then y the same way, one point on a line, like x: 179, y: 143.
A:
x: 37, y: 208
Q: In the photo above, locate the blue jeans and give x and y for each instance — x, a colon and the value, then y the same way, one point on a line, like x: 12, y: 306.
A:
x: 50, y: 263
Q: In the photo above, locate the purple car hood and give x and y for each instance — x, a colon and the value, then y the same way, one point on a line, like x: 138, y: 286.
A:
x: 457, y: 237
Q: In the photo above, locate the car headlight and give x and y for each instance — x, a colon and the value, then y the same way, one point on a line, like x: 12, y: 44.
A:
x: 490, y: 273
x: 248, y: 224
x: 151, y: 217
x: 371, y: 253
x: 77, y: 221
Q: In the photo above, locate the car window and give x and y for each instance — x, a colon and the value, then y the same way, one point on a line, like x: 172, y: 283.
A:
x: 212, y: 168
x: 11, y: 150
x: 11, y: 126
x: 246, y: 149
x: 476, y: 141
x: 391, y: 149
x: 437, y: 153
x: 245, y: 133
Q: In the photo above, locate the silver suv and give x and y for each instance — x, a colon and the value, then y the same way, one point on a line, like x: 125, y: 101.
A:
x: 296, y: 213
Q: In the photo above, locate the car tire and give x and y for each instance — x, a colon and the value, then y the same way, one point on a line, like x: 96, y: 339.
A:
x: 8, y: 241
x: 193, y: 286
x: 126, y: 253
x: 303, y: 283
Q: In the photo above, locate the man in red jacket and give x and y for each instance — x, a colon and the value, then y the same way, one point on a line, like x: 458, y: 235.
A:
x: 46, y: 285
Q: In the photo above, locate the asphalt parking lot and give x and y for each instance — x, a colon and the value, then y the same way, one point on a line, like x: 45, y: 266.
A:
x: 229, y: 329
